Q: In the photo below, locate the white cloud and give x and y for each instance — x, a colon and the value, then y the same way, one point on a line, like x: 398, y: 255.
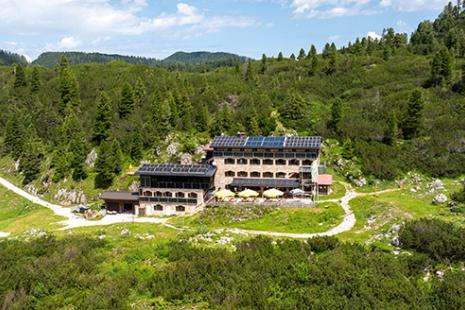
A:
x: 414, y: 5
x: 66, y: 43
x: 373, y: 35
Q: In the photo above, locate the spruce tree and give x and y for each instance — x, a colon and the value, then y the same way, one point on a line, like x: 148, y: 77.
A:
x: 103, y: 166
x: 412, y: 122
x: 301, y: 54
x: 249, y: 74
x: 185, y: 122
x: 117, y: 157
x: 280, y: 57
x: 69, y: 90
x: 332, y: 59
x: 263, y: 64
x: 126, y: 105
x: 140, y: 92
x: 392, y: 130
x: 253, y: 129
x: 137, y: 145
x: 35, y: 81
x: 441, y: 68
x: 31, y: 157
x: 14, y: 134
x: 20, y: 77
x: 336, y: 116
x: 292, y: 57
x: 103, y: 118
x: 201, y: 116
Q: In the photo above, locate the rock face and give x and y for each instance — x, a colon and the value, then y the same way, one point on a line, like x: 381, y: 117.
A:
x: 172, y: 148
x: 134, y: 187
x: 439, y: 199
x: 68, y: 198
x: 186, y: 159
x: 31, y: 189
x: 91, y: 158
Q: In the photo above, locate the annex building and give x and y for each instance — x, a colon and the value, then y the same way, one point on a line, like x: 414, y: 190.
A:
x: 232, y: 162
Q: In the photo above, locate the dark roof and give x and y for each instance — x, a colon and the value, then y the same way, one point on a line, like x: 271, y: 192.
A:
x: 177, y: 170
x: 279, y: 183
x: 267, y: 142
x: 120, y: 195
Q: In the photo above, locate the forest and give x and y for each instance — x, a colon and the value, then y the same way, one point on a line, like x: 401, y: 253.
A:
x: 394, y: 104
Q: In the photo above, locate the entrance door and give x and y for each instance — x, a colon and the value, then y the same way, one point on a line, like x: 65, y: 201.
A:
x: 128, y: 208
x: 142, y: 211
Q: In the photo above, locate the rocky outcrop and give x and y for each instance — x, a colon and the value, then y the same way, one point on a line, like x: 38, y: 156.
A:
x: 186, y: 159
x: 440, y: 199
x: 91, y: 158
x: 68, y: 198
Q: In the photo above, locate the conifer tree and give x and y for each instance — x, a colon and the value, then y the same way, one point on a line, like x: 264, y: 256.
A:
x: 69, y: 90
x: 127, y: 101
x: 161, y: 116
x: 301, y: 54
x: 312, y: 52
x: 117, y: 157
x: 280, y: 57
x: 201, y: 116
x: 441, y: 68
x: 103, y: 118
x: 20, y: 77
x: 186, y: 118
x: 313, y: 60
x: 35, y: 81
x: 336, y: 116
x: 412, y: 122
x: 109, y: 163
x: 253, y: 128
x: 332, y: 59
x: 263, y: 64
x: 31, y: 157
x: 14, y: 134
x: 392, y: 130
x: 292, y: 57
x: 140, y: 92
x: 137, y: 145
x: 173, y: 107
x: 249, y: 74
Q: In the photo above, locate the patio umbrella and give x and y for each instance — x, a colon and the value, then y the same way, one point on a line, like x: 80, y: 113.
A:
x: 297, y: 191
x: 224, y: 193
x: 248, y: 193
x: 273, y: 193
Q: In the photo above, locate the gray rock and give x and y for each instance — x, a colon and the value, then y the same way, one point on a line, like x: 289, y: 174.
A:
x: 91, y: 158
x: 68, y: 198
x: 360, y: 182
x: 125, y: 232
x: 439, y: 199
x: 395, y: 241
x: 436, y: 185
x: 134, y: 187
x: 172, y: 148
x: 395, y: 228
x: 186, y: 159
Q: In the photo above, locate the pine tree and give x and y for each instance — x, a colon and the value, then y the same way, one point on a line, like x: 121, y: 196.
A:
x: 312, y: 52
x: 140, y: 92
x: 35, y: 81
x: 336, y: 116
x: 20, y: 77
x: 301, y: 54
x: 14, y: 134
x: 412, y: 122
x: 313, y: 61
x: 161, y: 116
x: 103, y: 118
x: 186, y: 118
x: 292, y: 57
x: 137, y: 145
x: 332, y: 59
x: 127, y: 101
x: 263, y: 64
x: 280, y: 57
x: 253, y: 129
x: 201, y: 116
x: 69, y: 90
x: 109, y: 163
x: 117, y: 157
x: 441, y: 68
x: 249, y: 74
x: 392, y: 130
x: 31, y: 157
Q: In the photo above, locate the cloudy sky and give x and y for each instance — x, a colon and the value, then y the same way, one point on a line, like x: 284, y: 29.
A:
x: 157, y: 28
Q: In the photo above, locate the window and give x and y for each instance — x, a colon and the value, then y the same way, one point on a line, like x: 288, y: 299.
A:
x: 280, y: 175
x: 295, y: 176
x: 307, y: 162
x: 255, y: 161
x: 180, y: 195
x: 230, y: 174
x: 255, y: 174
x: 267, y: 174
x: 158, y: 208
x: 294, y: 162
x: 280, y: 162
x: 242, y: 174
x: 158, y: 194
x: 268, y: 162
x: 180, y: 209
x: 192, y: 195
x: 229, y: 161
x: 242, y: 161
x: 168, y: 194
x: 148, y: 193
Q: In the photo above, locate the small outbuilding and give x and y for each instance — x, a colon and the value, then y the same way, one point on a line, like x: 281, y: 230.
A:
x: 120, y: 201
x: 325, y: 181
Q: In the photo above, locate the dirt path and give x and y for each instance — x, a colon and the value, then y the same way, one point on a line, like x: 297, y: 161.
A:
x: 75, y: 221
x: 347, y: 223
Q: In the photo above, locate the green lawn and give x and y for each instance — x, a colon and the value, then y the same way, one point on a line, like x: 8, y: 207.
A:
x: 18, y: 215
x: 339, y: 191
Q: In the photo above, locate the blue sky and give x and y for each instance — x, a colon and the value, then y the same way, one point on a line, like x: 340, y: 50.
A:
x: 160, y: 27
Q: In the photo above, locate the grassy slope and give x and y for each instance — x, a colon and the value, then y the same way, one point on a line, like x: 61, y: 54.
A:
x: 18, y: 215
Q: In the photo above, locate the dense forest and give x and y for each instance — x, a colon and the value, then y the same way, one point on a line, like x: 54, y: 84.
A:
x: 321, y: 273
x: 7, y: 59
x: 196, y: 61
x: 394, y: 105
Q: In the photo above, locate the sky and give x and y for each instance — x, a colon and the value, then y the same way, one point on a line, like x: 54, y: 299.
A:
x: 159, y: 28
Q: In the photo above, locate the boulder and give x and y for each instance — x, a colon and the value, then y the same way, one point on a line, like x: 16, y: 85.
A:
x: 186, y: 159
x: 395, y: 228
x: 395, y: 241
x: 172, y: 148
x: 439, y: 199
x: 436, y: 185
x: 360, y: 182
x: 91, y: 158
x: 125, y: 232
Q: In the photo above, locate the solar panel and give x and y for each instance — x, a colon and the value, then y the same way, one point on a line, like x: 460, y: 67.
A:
x: 266, y: 142
x: 167, y: 169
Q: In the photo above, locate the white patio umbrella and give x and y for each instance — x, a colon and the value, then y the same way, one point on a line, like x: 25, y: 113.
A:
x: 273, y: 193
x: 248, y: 193
x: 297, y: 191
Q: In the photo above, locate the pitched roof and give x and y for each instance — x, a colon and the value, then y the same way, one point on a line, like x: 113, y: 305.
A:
x: 325, y: 179
x: 120, y: 196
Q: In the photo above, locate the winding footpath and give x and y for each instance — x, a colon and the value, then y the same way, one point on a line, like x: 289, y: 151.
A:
x: 72, y: 220
x: 347, y: 224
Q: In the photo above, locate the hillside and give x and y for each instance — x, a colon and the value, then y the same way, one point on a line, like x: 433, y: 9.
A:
x: 179, y: 60
x: 202, y: 57
x: 7, y: 58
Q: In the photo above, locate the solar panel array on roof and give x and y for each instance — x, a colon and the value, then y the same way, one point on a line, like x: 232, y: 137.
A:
x: 266, y: 142
x: 175, y: 169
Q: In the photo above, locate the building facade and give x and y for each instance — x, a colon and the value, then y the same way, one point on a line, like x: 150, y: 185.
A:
x: 266, y: 162
x: 235, y: 162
